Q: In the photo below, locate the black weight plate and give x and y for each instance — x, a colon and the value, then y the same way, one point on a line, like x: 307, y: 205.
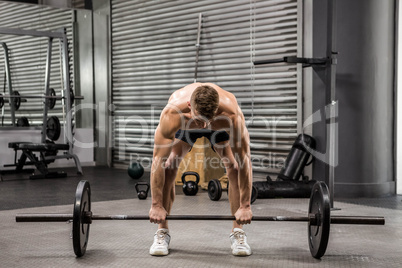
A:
x: 318, y: 234
x: 254, y: 194
x: 53, y: 128
x: 22, y: 122
x: 214, y: 189
x: 72, y: 97
x: 1, y: 101
x: 51, y: 102
x: 17, y: 101
x: 80, y: 230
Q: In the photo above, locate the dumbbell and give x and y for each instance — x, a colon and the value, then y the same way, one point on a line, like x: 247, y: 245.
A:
x: 142, y: 194
x: 190, y: 187
x: 215, y: 190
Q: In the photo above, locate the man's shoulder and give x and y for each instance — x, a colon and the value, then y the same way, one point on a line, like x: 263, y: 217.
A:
x: 173, y: 108
x: 169, y: 122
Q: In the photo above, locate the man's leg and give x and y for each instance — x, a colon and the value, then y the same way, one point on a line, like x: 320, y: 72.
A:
x: 179, y: 151
x: 160, y: 246
x: 225, y: 153
x: 238, y: 237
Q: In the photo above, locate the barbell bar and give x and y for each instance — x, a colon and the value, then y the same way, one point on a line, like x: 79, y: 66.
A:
x: 51, y: 99
x: 88, y: 218
x: 38, y: 97
x: 318, y: 219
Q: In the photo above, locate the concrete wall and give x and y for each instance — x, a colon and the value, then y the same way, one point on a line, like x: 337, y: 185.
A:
x: 365, y: 91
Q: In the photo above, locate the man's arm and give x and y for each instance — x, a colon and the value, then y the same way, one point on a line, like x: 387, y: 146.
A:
x: 163, y: 141
x: 241, y: 149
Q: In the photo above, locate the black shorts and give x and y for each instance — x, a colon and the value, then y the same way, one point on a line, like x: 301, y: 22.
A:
x: 191, y: 136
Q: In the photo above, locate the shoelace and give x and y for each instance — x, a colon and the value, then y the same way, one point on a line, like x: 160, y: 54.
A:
x: 239, y: 236
x: 160, y: 237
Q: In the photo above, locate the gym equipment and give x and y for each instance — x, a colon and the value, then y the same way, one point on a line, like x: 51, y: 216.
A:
x: 72, y: 97
x: 288, y: 183
x: 297, y: 158
x: 318, y: 235
x: 17, y: 97
x: 22, y: 122
x: 307, y: 62
x: 135, y: 170
x: 325, y: 68
x: 59, y: 35
x: 318, y: 219
x: 47, y: 154
x: 53, y: 128
x: 283, y: 189
x: 190, y: 187
x: 1, y: 101
x: 82, y: 205
x: 51, y: 153
x: 197, y: 45
x: 51, y: 102
x: 142, y: 194
x: 215, y: 190
x: 254, y: 194
x: 16, y: 100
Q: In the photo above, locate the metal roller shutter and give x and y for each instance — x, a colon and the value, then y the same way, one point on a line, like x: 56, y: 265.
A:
x: 28, y: 56
x: 153, y: 54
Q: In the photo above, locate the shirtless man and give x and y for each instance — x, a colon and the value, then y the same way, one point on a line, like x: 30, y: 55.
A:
x: 194, y: 111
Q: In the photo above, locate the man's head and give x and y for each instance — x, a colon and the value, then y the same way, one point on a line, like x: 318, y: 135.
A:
x: 204, y: 102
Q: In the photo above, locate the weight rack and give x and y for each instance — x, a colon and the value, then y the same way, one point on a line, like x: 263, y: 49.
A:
x: 66, y: 100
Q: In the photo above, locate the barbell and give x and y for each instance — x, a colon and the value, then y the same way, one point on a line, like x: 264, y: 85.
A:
x: 215, y: 190
x: 318, y: 219
x: 53, y: 126
x: 17, y: 98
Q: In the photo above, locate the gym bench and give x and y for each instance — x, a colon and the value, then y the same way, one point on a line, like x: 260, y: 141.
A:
x: 47, y: 154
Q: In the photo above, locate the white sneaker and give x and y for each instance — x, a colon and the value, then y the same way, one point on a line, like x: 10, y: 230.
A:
x: 160, y: 247
x: 239, y: 243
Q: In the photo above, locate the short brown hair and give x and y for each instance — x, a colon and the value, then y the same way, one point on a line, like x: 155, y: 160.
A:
x: 205, y: 100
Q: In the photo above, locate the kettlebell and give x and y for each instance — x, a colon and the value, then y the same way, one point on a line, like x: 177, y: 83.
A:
x: 135, y: 170
x: 142, y: 194
x: 22, y: 122
x: 190, y: 187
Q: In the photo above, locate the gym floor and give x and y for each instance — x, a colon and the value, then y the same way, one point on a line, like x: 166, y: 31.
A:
x: 194, y: 243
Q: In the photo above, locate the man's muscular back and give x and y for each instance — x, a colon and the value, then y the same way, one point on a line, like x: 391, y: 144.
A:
x: 178, y: 109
